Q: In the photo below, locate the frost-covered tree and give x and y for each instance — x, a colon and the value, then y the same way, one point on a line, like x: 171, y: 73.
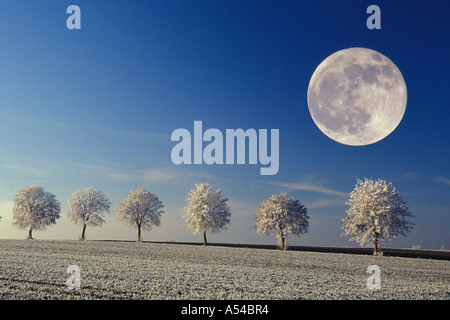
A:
x: 206, y: 211
x: 283, y: 215
x: 376, y: 213
x: 35, y: 209
x: 141, y: 209
x: 87, y: 207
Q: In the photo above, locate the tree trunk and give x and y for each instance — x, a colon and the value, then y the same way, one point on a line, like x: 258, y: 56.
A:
x: 205, y: 243
x: 139, y: 234
x: 282, y: 239
x: 30, y: 236
x: 83, y: 232
x: 375, y: 246
x: 283, y: 242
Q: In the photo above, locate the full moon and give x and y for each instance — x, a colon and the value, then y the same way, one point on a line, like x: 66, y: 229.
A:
x: 357, y: 96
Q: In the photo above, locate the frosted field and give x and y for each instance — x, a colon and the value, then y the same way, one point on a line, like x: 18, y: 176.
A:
x: 125, y: 270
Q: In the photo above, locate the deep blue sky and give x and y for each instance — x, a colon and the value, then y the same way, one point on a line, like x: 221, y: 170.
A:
x: 96, y: 107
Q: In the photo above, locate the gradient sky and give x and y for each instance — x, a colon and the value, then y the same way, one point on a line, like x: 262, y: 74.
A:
x: 96, y: 107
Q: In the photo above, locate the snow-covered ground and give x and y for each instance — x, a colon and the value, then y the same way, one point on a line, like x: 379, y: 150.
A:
x: 36, y: 269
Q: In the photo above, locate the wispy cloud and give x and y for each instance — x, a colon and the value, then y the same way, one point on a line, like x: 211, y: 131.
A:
x: 310, y: 187
x: 443, y: 180
x: 243, y: 208
x: 143, y: 136
x: 174, y: 175
x: 409, y: 176
x: 323, y: 203
x: 24, y: 169
x: 163, y: 175
x: 64, y: 127
x: 106, y: 171
x: 159, y: 175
